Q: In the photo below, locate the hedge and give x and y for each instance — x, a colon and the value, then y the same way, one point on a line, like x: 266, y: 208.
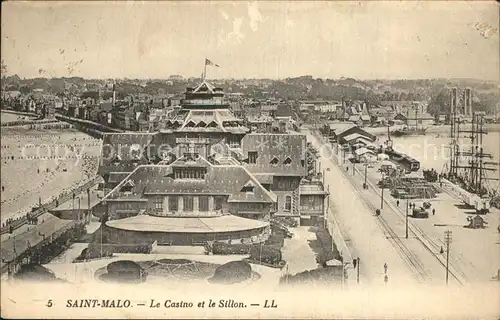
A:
x: 224, y: 248
x: 325, y: 242
x: 125, y: 270
x: 266, y: 253
x: 320, y: 275
x: 35, y: 272
x: 275, y: 240
x: 93, y: 251
x: 232, y: 272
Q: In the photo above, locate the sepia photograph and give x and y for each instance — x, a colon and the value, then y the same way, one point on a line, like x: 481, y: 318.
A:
x: 250, y: 159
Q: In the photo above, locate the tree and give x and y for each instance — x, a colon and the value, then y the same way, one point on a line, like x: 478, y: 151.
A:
x: 486, y: 102
x: 440, y: 103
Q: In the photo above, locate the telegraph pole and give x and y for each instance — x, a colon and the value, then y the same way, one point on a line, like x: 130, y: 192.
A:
x: 357, y: 276
x: 407, y: 204
x: 88, y: 216
x: 382, y: 194
x: 382, y: 199
x: 365, y: 186
x: 447, y: 239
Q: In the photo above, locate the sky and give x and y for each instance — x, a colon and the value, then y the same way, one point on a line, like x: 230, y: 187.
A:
x: 364, y: 40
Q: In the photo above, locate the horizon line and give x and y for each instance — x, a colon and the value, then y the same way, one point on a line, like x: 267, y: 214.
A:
x: 256, y: 78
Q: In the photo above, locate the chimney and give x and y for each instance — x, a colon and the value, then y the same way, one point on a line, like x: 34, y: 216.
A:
x: 468, y: 101
x: 453, y: 100
x: 343, y: 109
x: 114, y: 96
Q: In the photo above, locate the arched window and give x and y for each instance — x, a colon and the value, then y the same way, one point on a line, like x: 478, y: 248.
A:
x: 288, y: 203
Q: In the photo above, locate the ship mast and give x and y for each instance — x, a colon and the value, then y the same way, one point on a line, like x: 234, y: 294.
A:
x: 474, y: 176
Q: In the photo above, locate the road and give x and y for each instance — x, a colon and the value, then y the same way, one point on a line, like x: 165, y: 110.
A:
x: 361, y: 229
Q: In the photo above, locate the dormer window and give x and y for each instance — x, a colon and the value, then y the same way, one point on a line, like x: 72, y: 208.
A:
x: 190, y: 124
x: 248, y: 187
x: 274, y: 161
x: 135, y: 152
x: 287, y: 161
x: 127, y: 186
x: 117, y: 160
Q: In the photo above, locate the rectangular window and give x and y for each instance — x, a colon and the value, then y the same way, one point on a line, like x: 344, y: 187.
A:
x: 188, y: 203
x: 252, y: 157
x: 218, y: 202
x: 190, y: 173
x: 203, y: 203
x: 159, y: 203
x: 288, y: 203
x: 173, y: 203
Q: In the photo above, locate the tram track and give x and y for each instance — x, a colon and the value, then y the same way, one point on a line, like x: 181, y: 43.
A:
x: 418, y: 270
x: 430, y: 244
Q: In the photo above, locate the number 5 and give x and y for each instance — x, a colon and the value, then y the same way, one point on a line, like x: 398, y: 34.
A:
x: 49, y: 303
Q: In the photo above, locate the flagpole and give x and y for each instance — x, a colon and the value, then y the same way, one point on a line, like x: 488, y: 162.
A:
x: 205, y: 70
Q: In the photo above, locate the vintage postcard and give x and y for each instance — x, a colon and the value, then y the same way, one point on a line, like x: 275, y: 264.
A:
x: 250, y: 160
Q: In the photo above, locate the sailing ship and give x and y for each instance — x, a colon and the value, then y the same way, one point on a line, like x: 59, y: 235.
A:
x: 410, y: 131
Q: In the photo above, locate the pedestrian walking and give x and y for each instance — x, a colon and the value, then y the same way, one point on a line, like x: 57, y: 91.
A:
x: 397, y: 203
x: 385, y: 268
x: 433, y: 211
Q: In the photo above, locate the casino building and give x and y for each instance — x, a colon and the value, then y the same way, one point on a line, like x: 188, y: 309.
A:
x: 204, y: 176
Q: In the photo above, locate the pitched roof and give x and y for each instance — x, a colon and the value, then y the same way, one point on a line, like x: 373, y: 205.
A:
x: 214, y: 120
x: 356, y: 136
x: 281, y: 146
x: 204, y: 87
x: 340, y: 127
x: 362, y: 151
x: 219, y: 180
x: 354, y: 118
x: 125, y: 148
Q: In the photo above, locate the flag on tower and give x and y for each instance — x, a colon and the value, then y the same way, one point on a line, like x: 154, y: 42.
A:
x: 210, y: 63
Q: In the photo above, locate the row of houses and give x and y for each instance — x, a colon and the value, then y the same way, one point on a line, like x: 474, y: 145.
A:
x: 44, y: 105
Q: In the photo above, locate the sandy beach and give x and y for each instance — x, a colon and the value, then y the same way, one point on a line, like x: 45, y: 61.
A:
x: 38, y: 165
